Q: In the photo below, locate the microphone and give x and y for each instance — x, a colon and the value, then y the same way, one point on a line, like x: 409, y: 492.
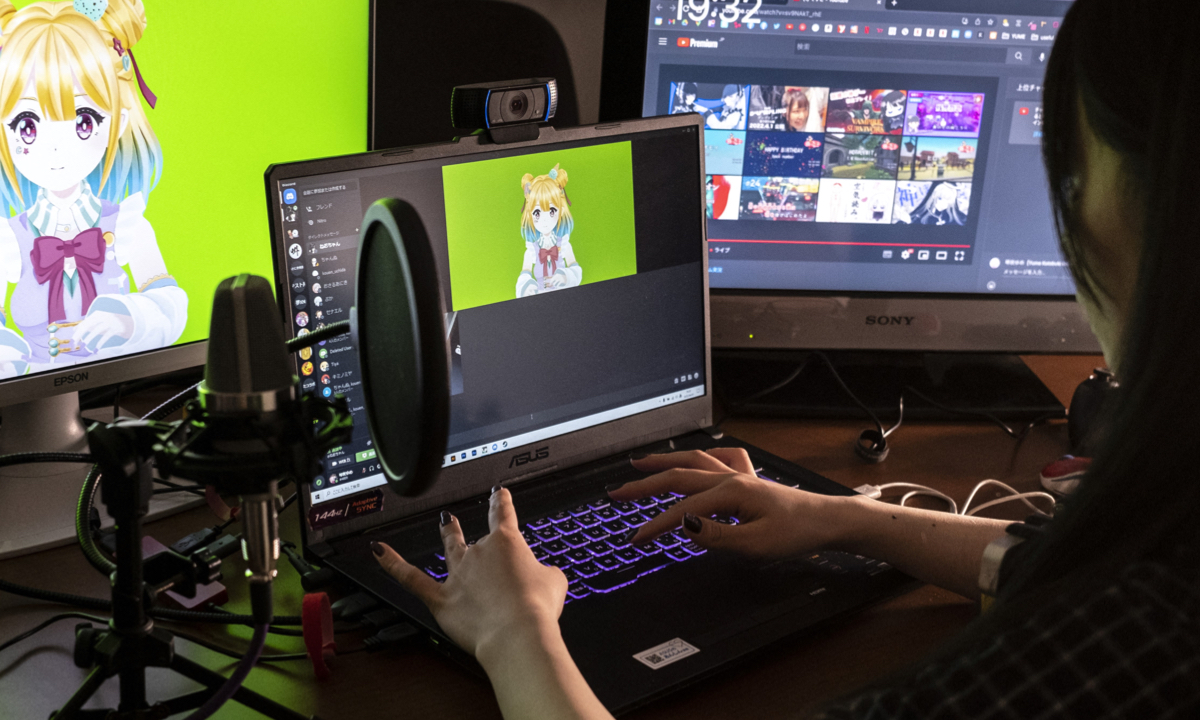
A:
x: 248, y: 382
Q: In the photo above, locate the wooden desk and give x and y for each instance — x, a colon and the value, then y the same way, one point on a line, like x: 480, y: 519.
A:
x: 38, y: 675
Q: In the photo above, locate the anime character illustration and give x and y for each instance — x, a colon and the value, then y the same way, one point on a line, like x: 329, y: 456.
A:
x: 937, y: 203
x: 893, y: 111
x: 79, y: 161
x: 546, y: 225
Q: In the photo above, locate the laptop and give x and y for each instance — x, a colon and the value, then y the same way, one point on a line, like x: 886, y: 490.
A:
x: 579, y: 335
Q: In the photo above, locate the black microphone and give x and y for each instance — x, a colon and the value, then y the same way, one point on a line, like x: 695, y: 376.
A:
x: 247, y: 380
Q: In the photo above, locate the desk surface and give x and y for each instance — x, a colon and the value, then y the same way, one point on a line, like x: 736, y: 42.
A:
x: 37, y: 675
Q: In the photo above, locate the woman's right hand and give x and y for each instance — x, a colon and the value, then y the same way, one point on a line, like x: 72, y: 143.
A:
x: 773, y: 520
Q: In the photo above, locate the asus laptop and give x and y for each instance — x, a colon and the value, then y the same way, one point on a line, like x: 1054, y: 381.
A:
x: 579, y: 335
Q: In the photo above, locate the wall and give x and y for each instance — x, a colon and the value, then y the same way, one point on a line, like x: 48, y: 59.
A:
x: 581, y: 25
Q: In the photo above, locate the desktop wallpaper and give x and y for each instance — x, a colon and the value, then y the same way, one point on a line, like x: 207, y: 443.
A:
x: 531, y: 224
x: 235, y: 86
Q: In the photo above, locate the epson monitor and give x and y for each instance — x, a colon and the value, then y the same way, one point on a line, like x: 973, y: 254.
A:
x: 131, y: 179
x: 874, y: 168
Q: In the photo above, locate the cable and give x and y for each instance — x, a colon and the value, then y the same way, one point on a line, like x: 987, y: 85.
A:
x: 44, y: 457
x: 921, y: 490
x: 277, y: 657
x: 47, y: 623
x: 234, y: 683
x: 326, y: 333
x: 1016, y: 494
x: 876, y: 492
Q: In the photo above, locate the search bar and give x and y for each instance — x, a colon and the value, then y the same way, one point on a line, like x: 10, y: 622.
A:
x: 905, y: 51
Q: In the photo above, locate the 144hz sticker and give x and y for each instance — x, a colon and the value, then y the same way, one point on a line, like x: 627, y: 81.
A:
x: 665, y: 654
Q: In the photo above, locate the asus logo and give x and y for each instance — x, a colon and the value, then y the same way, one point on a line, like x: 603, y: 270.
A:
x: 68, y: 379
x: 527, y: 457
x: 890, y: 319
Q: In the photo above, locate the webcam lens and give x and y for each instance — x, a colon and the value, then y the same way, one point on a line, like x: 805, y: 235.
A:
x: 517, y: 105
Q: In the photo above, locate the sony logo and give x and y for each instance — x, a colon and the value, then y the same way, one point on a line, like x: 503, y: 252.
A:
x: 527, y: 457
x: 68, y: 379
x: 890, y: 319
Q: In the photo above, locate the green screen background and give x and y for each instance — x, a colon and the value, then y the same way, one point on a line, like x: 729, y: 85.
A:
x: 483, y: 219
x: 240, y: 85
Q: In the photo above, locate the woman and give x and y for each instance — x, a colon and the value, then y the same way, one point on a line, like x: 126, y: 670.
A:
x: 1098, y: 616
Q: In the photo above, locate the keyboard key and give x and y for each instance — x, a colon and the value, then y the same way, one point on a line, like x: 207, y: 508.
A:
x: 558, y: 561
x: 437, y: 569
x: 607, y: 562
x: 599, y: 548
x: 678, y: 535
x: 546, y: 534
x: 676, y: 553
x: 580, y: 510
x: 540, y: 553
x: 648, y: 548
x: 627, y: 555
x: 617, y: 542
x: 578, y: 590
x: 555, y: 547
x: 636, y: 520
x: 559, y: 516
x: 530, y: 538
x: 624, y: 508
x: 667, y: 541
x: 439, y: 555
x: 577, y: 540
x: 609, y: 581
x: 645, y: 502
x: 588, y: 520
x: 607, y: 513
x: 653, y: 512
x: 566, y: 527
x: 586, y: 570
x: 537, y: 524
x: 570, y: 574
x: 598, y: 503
x: 595, y: 533
x: 665, y: 498
x: 693, y: 548
x: 616, y: 527
x: 578, y: 555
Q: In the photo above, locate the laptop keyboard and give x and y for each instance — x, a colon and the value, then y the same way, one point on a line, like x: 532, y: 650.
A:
x: 588, y: 543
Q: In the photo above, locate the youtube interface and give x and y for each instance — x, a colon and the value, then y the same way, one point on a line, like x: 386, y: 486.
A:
x: 867, y: 145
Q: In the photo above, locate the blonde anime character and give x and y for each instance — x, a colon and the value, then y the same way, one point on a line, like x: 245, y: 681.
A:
x: 79, y: 159
x: 546, y: 225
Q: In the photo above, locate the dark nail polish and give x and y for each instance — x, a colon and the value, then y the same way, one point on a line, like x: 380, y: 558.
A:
x: 376, y: 549
x: 629, y: 536
x: 692, y: 523
x: 446, y: 518
x: 495, y: 489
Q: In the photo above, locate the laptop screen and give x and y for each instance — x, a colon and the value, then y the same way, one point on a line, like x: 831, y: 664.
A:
x: 572, y: 272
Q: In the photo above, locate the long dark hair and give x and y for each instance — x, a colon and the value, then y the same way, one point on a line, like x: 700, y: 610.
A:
x: 1134, y: 70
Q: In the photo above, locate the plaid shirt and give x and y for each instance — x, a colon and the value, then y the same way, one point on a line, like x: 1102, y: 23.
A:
x: 1131, y: 651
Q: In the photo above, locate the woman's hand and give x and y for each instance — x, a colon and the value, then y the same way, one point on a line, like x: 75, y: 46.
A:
x: 495, y: 589
x: 95, y: 330
x: 773, y: 520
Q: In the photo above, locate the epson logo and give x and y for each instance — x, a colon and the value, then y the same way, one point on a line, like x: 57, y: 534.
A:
x: 532, y: 456
x: 70, y: 379
x: 890, y: 319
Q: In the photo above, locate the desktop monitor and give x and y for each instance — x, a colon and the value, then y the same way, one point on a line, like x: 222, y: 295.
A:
x: 874, y: 169
x: 119, y: 225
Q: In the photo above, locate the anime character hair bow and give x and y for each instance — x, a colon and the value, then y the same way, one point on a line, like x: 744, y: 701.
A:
x: 94, y: 10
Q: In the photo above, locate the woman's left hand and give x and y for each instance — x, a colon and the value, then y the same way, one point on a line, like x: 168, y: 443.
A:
x: 496, y: 589
x: 101, y: 326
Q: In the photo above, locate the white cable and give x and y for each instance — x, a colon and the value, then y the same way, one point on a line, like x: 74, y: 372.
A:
x: 1019, y: 496
x: 930, y: 492
x: 1014, y: 491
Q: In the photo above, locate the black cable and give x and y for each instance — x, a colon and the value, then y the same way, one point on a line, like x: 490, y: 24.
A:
x: 328, y: 332
x: 47, y: 623
x: 176, y: 487
x: 278, y: 657
x: 44, y: 457
x: 1015, y: 434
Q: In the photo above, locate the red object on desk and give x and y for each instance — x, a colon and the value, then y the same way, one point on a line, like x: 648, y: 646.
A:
x: 317, y: 622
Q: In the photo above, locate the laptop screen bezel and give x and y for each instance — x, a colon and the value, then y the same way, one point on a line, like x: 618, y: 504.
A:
x: 458, y: 482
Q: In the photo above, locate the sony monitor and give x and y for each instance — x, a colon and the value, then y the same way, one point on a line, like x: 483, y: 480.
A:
x: 874, y: 175
x: 136, y: 135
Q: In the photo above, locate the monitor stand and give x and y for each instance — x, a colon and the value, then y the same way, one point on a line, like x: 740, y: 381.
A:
x: 37, y: 502
x: 1002, y: 385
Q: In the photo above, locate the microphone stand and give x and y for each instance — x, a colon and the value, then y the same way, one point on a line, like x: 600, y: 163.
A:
x: 125, y: 451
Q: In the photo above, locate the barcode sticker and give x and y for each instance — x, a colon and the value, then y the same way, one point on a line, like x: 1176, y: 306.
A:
x: 666, y: 653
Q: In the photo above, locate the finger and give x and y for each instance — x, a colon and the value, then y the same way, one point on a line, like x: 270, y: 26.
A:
x: 105, y: 338
x: 85, y: 331
x: 410, y: 578
x: 721, y: 500
x: 501, y: 513
x: 736, y: 458
x: 680, y: 480
x: 693, y: 459
x: 452, y: 540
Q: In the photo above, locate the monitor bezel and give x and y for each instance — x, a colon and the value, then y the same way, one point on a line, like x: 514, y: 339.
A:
x: 622, y: 86
x: 470, y: 479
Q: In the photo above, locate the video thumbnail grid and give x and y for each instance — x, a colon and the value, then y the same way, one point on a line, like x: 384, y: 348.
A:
x: 836, y: 155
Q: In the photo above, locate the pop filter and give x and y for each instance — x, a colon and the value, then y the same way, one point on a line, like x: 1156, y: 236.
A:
x: 399, y: 326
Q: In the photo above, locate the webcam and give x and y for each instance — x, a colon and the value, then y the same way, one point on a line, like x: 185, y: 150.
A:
x: 509, y: 111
